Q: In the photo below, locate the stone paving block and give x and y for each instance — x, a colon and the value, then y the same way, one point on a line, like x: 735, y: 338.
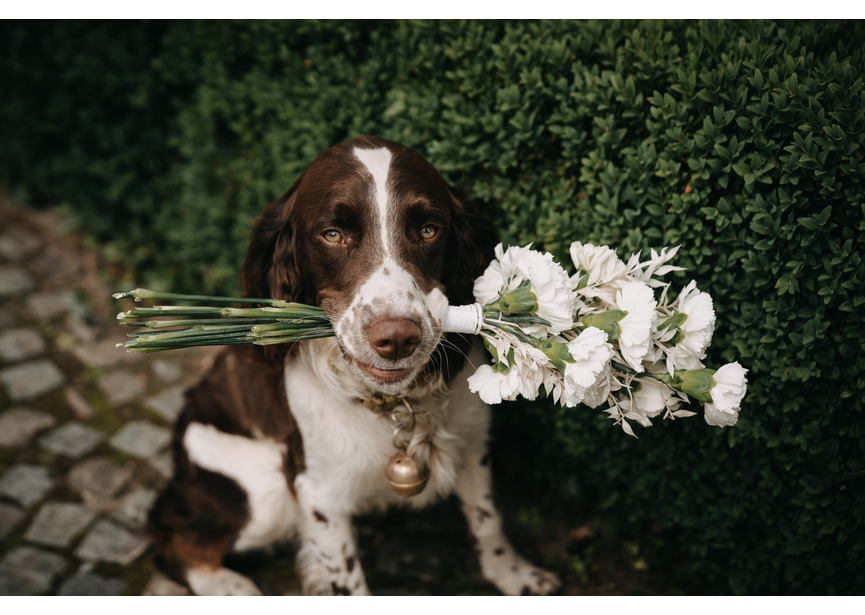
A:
x: 81, y: 408
x: 160, y: 585
x: 167, y: 370
x: 10, y: 518
x: 90, y: 584
x: 53, y: 304
x: 14, y: 247
x: 15, y: 281
x: 108, y: 542
x: 30, y: 380
x: 122, y: 386
x: 163, y: 464
x: 29, y: 571
x: 26, y: 484
x: 141, y: 438
x: 72, y: 439
x: 19, y: 425
x: 100, y: 477
x: 168, y: 403
x: 19, y: 344
x: 57, y: 524
x: 76, y: 332
x: 133, y: 508
x: 104, y: 353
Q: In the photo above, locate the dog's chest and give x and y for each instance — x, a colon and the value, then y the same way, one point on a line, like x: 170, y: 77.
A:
x: 347, y: 447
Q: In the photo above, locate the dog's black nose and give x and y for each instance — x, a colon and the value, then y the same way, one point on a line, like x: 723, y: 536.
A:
x: 394, y: 338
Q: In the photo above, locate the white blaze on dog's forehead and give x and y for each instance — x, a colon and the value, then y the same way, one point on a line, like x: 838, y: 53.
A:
x: 377, y: 162
x: 389, y: 279
x: 390, y: 289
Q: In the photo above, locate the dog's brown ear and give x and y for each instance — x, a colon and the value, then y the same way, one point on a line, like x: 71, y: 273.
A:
x: 472, y: 242
x: 272, y: 267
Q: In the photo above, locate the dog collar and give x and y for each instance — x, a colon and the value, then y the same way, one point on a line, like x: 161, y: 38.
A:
x: 379, y: 403
x: 405, y: 475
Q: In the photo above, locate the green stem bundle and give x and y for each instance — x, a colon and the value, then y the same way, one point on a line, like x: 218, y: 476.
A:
x: 272, y: 321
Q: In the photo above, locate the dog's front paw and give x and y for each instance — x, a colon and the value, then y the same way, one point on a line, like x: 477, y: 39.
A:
x: 543, y: 583
x: 516, y: 577
x: 220, y: 582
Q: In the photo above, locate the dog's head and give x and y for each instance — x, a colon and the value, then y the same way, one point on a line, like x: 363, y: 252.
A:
x: 373, y: 234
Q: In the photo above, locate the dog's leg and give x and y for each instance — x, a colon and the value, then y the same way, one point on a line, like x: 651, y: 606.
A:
x: 500, y: 564
x: 220, y: 582
x: 198, y: 564
x: 193, y: 528
x: 328, y: 551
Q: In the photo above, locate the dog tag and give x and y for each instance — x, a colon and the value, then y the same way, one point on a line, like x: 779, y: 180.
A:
x: 405, y: 476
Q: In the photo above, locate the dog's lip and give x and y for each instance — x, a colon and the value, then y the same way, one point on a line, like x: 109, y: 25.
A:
x: 384, y: 376
x: 380, y: 374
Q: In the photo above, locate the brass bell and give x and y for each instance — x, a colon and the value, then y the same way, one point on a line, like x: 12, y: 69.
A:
x: 405, y: 476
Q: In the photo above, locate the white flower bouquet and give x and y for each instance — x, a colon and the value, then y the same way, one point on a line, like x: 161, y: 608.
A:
x: 600, y: 337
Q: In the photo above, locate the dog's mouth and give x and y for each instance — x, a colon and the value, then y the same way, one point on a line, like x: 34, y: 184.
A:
x: 384, y: 376
x: 378, y: 375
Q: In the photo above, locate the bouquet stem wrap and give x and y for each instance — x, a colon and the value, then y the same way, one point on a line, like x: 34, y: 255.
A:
x: 464, y: 319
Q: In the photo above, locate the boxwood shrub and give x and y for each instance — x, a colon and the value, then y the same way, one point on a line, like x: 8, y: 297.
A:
x: 740, y: 141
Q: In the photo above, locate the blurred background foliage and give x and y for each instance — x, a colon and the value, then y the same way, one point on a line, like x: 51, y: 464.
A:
x: 740, y: 141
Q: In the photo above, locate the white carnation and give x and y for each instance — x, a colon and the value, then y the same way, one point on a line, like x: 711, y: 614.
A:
x: 601, y: 269
x: 583, y: 379
x: 730, y: 387
x: 696, y: 330
x: 648, y: 401
x: 549, y: 283
x: 533, y: 368
x: 521, y: 375
x: 494, y: 386
x: 635, y: 335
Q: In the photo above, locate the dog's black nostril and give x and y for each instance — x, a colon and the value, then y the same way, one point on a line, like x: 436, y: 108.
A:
x: 394, y: 338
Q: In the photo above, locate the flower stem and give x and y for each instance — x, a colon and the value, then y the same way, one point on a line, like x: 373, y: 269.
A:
x: 266, y: 341
x: 161, y: 324
x: 171, y: 310
x: 140, y: 294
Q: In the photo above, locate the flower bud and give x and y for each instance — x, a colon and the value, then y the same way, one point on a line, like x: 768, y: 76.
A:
x: 557, y: 353
x: 608, y: 322
x: 521, y: 300
x: 696, y: 383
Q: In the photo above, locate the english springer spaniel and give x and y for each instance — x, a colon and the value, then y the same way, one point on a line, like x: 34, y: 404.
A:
x: 280, y: 442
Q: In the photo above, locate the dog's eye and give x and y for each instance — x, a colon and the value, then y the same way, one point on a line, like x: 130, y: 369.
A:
x: 332, y: 236
x: 428, y: 231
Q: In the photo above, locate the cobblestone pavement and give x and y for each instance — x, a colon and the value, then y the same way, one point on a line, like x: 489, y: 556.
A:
x: 84, y: 441
x: 84, y: 427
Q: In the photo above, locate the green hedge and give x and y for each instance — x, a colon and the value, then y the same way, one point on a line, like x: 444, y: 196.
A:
x: 740, y: 141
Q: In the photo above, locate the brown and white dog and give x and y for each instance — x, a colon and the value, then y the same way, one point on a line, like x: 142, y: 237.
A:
x: 276, y: 444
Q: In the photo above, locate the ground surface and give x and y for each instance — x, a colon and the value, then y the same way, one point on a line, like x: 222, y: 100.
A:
x: 84, y: 440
